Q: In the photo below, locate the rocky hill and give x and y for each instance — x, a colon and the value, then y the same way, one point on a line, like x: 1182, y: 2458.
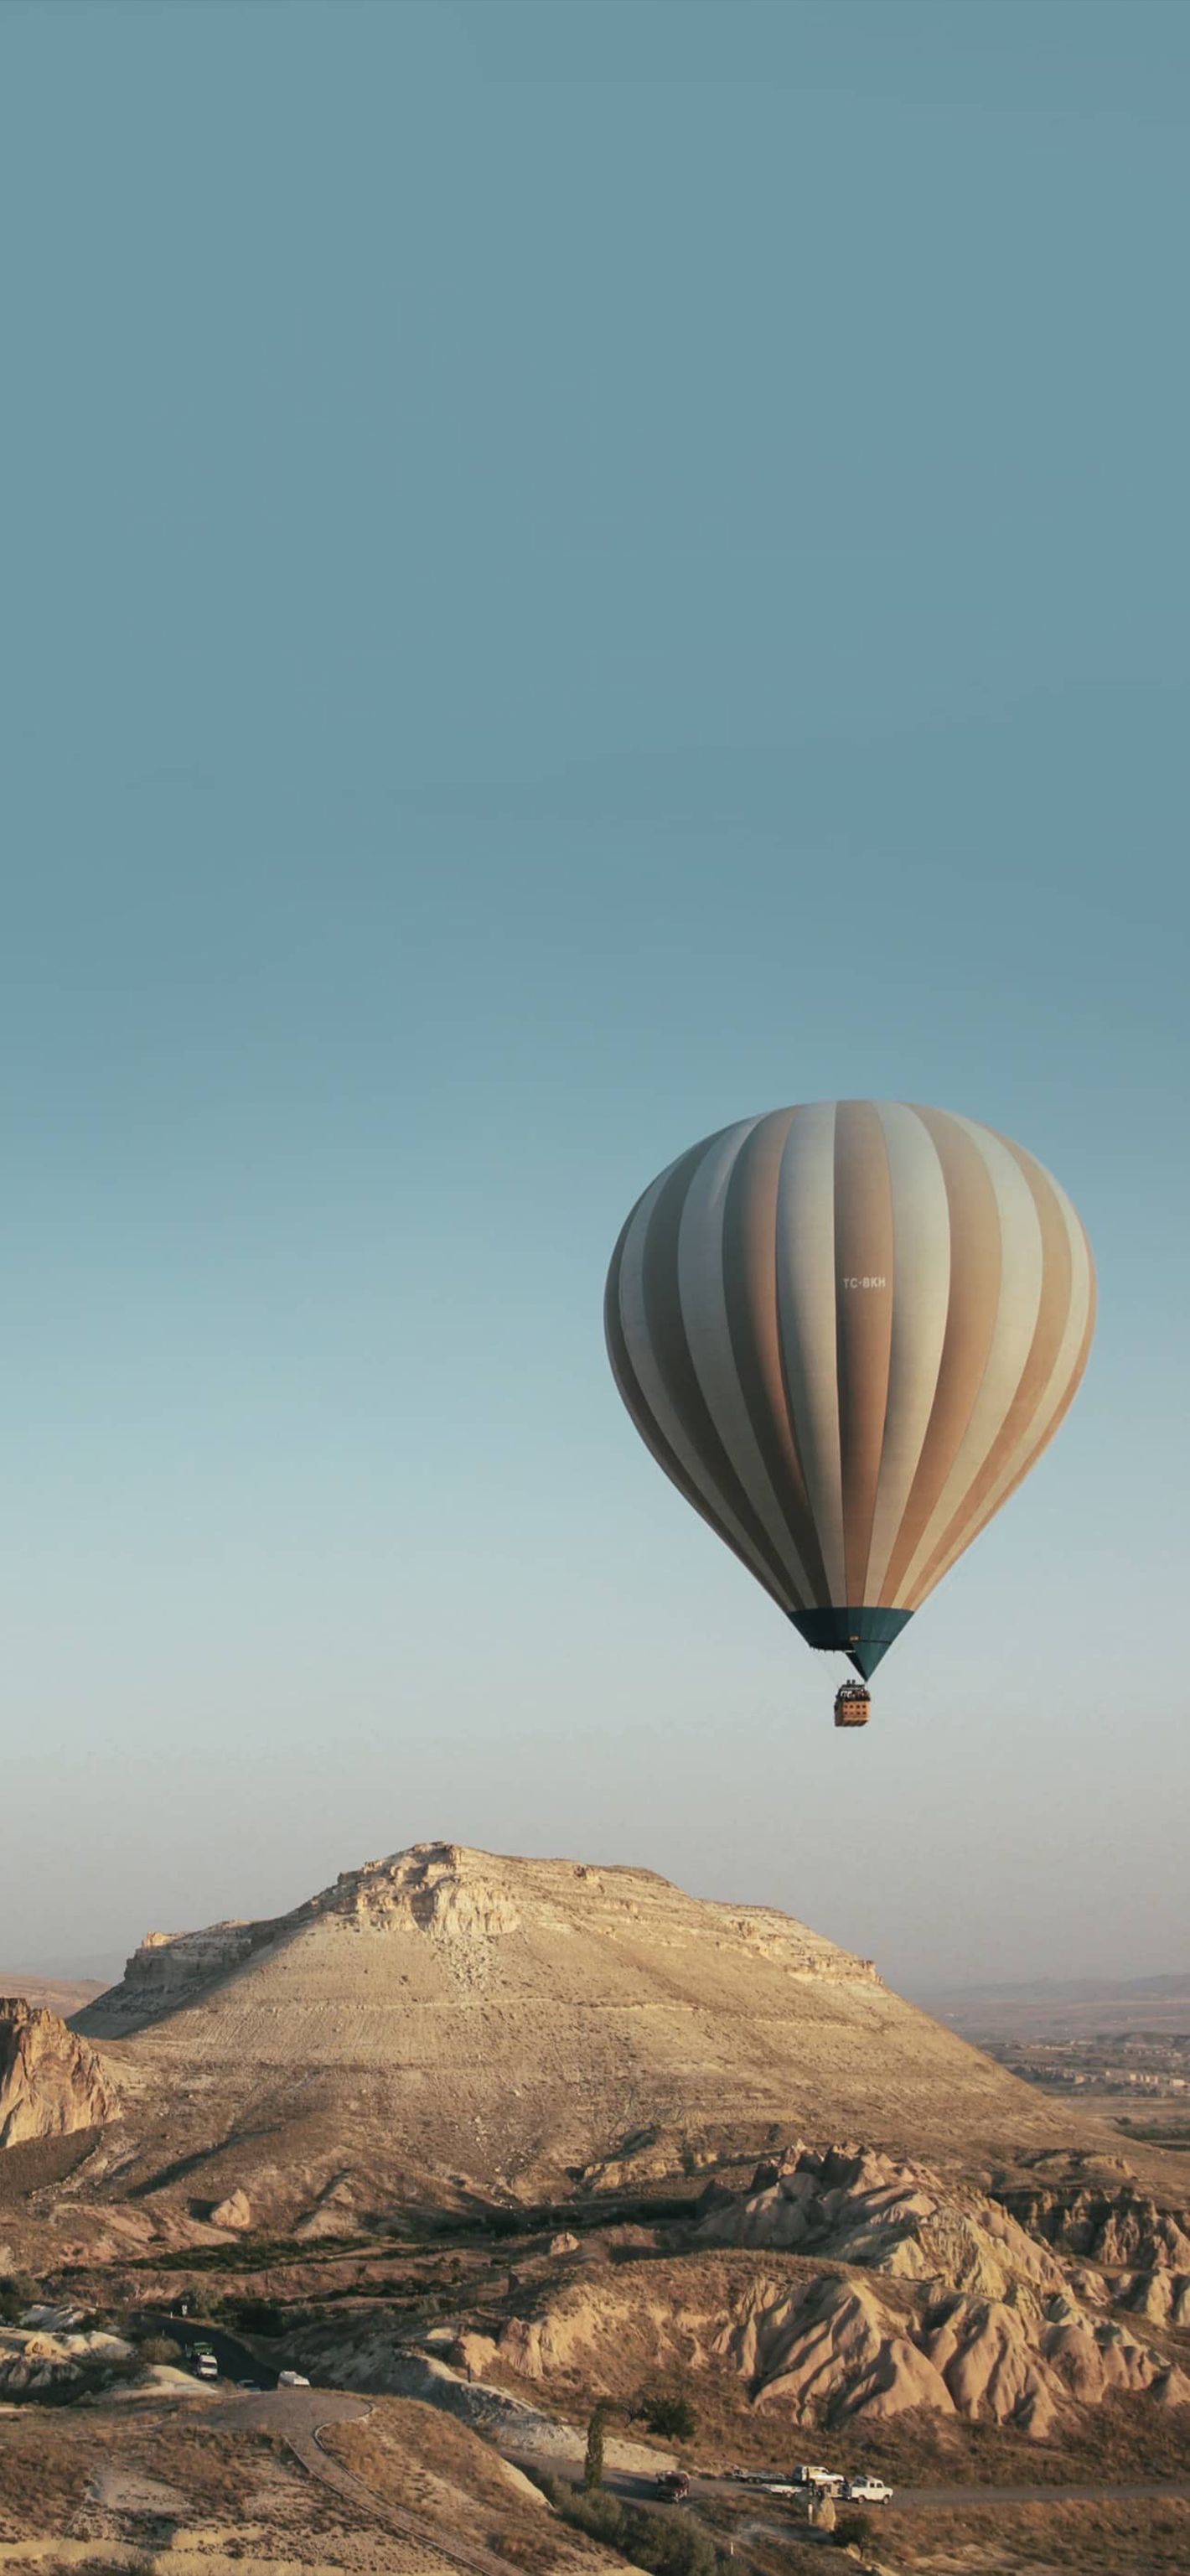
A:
x: 509, y: 2136
x: 869, y: 2289
x: 445, y: 2021
x: 51, y: 2082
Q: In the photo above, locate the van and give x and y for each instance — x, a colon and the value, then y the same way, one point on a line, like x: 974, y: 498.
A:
x: 868, y: 2491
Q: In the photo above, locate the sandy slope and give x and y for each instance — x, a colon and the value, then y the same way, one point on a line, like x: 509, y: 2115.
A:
x: 503, y: 2022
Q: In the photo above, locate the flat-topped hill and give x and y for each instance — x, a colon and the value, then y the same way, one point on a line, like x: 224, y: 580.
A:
x: 445, y: 2017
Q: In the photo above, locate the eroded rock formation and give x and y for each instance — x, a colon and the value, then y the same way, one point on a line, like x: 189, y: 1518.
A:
x: 50, y: 2081
x: 860, y: 2206
x: 935, y: 2298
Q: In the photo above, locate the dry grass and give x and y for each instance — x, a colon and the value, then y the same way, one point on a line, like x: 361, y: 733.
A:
x: 638, y: 2328
x: 45, y: 2462
x: 415, y: 2457
x: 38, y: 2162
x: 232, y: 2477
x: 1119, y: 2539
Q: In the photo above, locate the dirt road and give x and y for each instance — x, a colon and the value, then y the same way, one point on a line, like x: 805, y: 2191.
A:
x: 926, y: 2498
x: 299, y: 2415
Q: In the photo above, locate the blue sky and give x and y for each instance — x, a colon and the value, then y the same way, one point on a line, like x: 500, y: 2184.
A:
x: 572, y: 572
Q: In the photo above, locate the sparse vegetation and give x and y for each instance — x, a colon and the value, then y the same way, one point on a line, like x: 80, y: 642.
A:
x: 593, y: 2462
x: 18, y: 2291
x: 254, y: 2316
x: 248, y: 2254
x: 1129, y: 2537
x: 671, y: 2417
x: 647, y: 2315
x: 667, y: 2545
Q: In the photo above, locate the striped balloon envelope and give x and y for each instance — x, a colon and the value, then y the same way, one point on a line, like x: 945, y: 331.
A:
x: 846, y: 1332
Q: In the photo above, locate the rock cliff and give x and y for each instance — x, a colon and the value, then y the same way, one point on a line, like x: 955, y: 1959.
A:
x: 1122, y: 2234
x: 50, y: 2081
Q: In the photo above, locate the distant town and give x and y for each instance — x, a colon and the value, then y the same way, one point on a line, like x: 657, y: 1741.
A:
x: 1143, y: 2061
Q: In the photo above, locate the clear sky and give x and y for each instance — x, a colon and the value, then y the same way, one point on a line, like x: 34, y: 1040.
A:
x: 572, y: 572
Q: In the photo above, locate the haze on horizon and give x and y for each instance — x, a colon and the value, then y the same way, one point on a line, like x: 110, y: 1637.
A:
x: 573, y: 575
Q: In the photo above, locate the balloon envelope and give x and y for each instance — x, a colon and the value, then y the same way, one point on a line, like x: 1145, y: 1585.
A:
x: 846, y: 1332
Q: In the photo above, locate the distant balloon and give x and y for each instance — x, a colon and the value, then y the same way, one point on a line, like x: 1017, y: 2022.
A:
x: 846, y: 1332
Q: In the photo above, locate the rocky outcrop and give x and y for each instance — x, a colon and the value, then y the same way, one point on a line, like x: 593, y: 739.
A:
x: 462, y: 1897
x: 1163, y: 2297
x: 32, y: 2362
x: 1140, y: 2250
x: 859, y: 2206
x: 335, y: 2212
x: 234, y: 2212
x: 1120, y: 2228
x: 825, y: 2348
x: 936, y: 2297
x: 170, y: 1969
x: 50, y: 2081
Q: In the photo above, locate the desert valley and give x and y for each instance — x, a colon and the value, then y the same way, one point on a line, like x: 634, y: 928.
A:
x: 475, y: 2150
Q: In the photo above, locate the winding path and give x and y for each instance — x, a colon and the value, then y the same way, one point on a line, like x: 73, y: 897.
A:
x: 300, y: 2415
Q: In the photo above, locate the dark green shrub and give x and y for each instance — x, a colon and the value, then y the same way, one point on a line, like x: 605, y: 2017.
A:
x: 18, y: 2291
x: 596, y: 2512
x: 670, y: 2416
x: 255, y: 2316
x: 664, y: 2544
x: 593, y: 2463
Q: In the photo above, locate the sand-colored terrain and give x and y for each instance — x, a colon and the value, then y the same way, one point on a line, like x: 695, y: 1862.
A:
x: 511, y: 2137
x: 168, y: 2486
x: 446, y: 2020
x: 61, y: 1995
x: 51, y: 2082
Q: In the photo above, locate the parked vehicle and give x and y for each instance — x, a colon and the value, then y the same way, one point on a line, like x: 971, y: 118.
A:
x: 205, y: 2365
x: 674, y: 2485
x: 292, y: 2379
x: 868, y: 2491
x: 827, y: 2481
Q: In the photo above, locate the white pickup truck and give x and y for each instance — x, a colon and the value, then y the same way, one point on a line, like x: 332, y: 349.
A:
x: 867, y: 2491
x: 827, y: 2481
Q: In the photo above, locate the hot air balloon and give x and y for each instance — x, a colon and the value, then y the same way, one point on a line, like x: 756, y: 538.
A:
x: 846, y: 1332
